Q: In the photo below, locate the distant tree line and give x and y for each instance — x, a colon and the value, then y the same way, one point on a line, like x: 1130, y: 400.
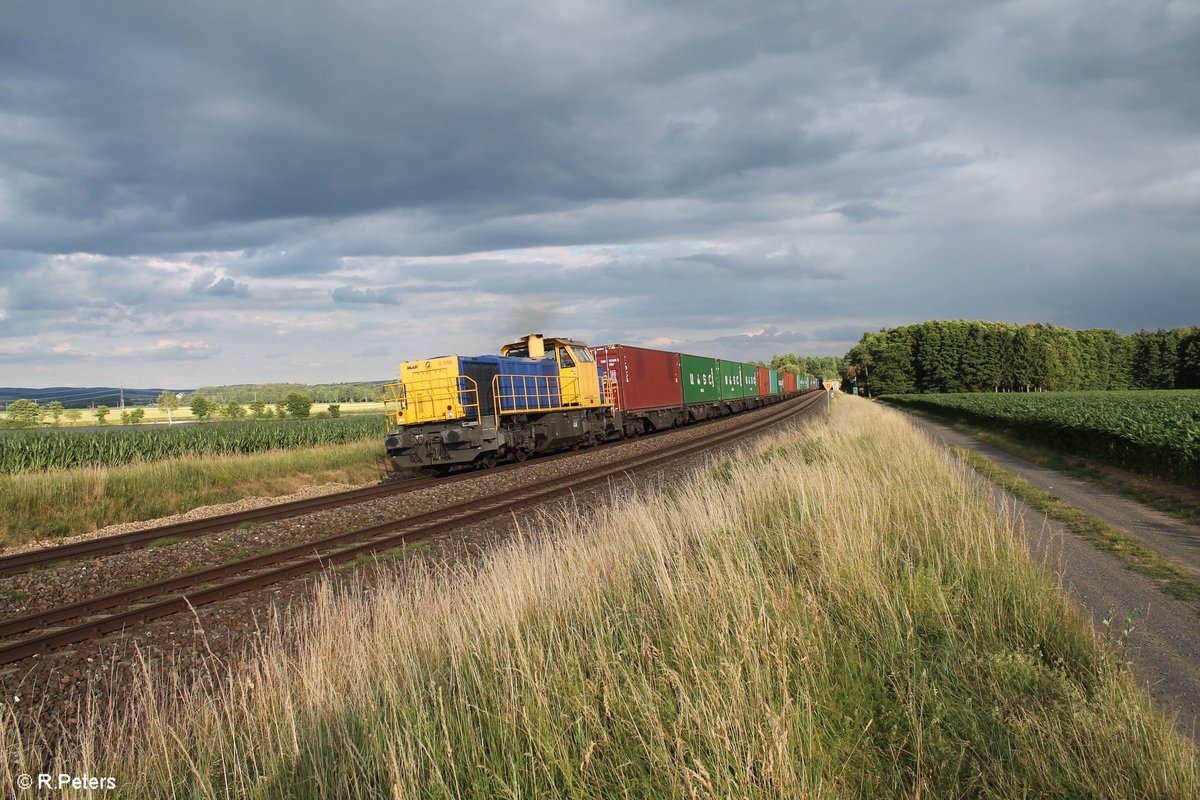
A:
x: 25, y: 413
x: 276, y: 393
x: 970, y: 356
x: 295, y: 405
x: 821, y: 366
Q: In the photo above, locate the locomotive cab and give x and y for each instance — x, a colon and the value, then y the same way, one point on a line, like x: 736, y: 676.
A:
x: 579, y: 374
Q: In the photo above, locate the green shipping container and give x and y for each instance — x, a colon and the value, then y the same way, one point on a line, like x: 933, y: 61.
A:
x: 776, y: 382
x: 729, y: 380
x: 750, y: 380
x: 698, y: 376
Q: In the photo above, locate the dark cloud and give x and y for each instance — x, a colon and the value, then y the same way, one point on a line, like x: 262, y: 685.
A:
x: 243, y: 180
x: 865, y: 212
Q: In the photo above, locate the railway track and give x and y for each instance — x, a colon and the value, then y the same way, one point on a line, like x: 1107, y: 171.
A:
x: 281, y: 565
x: 18, y: 563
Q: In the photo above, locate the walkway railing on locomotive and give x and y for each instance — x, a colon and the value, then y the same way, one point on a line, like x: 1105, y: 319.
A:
x: 520, y: 394
x: 436, y: 398
x: 610, y: 391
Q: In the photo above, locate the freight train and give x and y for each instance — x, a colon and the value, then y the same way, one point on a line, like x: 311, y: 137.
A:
x: 543, y: 394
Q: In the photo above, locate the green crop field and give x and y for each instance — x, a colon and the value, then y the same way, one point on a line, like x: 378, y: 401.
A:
x: 24, y: 451
x: 1155, y: 432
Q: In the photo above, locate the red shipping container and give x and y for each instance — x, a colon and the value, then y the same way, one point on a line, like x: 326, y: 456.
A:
x: 646, y: 379
x: 764, y: 381
x: 789, y: 382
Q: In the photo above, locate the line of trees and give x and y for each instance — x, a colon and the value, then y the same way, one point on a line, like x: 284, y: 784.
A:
x: 295, y: 405
x: 973, y: 356
x: 821, y: 366
x: 25, y: 413
x: 276, y: 393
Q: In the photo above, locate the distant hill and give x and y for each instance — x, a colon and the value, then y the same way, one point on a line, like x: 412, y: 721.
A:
x: 83, y: 396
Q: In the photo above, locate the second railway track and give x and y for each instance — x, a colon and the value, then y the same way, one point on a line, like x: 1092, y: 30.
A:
x: 311, y: 556
x: 43, y: 558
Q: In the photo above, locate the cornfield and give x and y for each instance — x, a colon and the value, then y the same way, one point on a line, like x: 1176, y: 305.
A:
x: 1155, y: 432
x: 26, y: 451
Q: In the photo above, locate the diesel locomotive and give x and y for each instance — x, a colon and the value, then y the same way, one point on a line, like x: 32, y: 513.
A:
x: 543, y: 394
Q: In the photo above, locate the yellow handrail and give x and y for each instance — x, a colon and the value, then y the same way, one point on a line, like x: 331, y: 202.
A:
x: 610, y: 391
x: 526, y: 393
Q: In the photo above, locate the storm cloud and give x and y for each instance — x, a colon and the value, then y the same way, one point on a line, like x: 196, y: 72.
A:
x: 211, y: 192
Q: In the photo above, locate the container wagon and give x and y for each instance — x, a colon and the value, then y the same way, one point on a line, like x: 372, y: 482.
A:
x: 648, y: 391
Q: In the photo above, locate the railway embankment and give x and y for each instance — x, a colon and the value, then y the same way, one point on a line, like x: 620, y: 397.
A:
x: 837, y: 610
x: 1129, y: 566
x: 67, y: 635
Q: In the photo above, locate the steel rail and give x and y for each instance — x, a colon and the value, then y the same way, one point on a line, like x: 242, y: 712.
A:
x: 41, y: 619
x: 18, y: 563
x: 35, y: 559
x: 414, y: 528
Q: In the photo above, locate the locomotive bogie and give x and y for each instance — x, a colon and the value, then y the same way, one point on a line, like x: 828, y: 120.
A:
x: 442, y: 446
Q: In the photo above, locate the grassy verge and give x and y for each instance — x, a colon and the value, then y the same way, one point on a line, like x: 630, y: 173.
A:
x: 1174, y: 579
x: 66, y: 502
x: 1157, y: 494
x: 790, y: 624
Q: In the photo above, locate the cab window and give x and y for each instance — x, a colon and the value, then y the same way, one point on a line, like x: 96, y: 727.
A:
x: 583, y: 355
x: 564, y: 358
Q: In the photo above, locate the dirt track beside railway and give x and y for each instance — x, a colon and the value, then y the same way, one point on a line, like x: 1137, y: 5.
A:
x: 1165, y: 642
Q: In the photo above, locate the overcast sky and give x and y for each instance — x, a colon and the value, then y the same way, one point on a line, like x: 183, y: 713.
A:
x: 212, y: 192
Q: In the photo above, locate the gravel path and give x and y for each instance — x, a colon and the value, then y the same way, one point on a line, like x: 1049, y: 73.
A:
x: 49, y: 687
x: 1166, y: 640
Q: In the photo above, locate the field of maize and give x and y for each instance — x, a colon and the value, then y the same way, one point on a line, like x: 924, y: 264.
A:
x: 1154, y: 432
x: 26, y: 451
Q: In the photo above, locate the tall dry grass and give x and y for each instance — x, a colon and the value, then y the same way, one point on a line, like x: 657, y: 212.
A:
x: 64, y: 502
x: 838, y: 611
